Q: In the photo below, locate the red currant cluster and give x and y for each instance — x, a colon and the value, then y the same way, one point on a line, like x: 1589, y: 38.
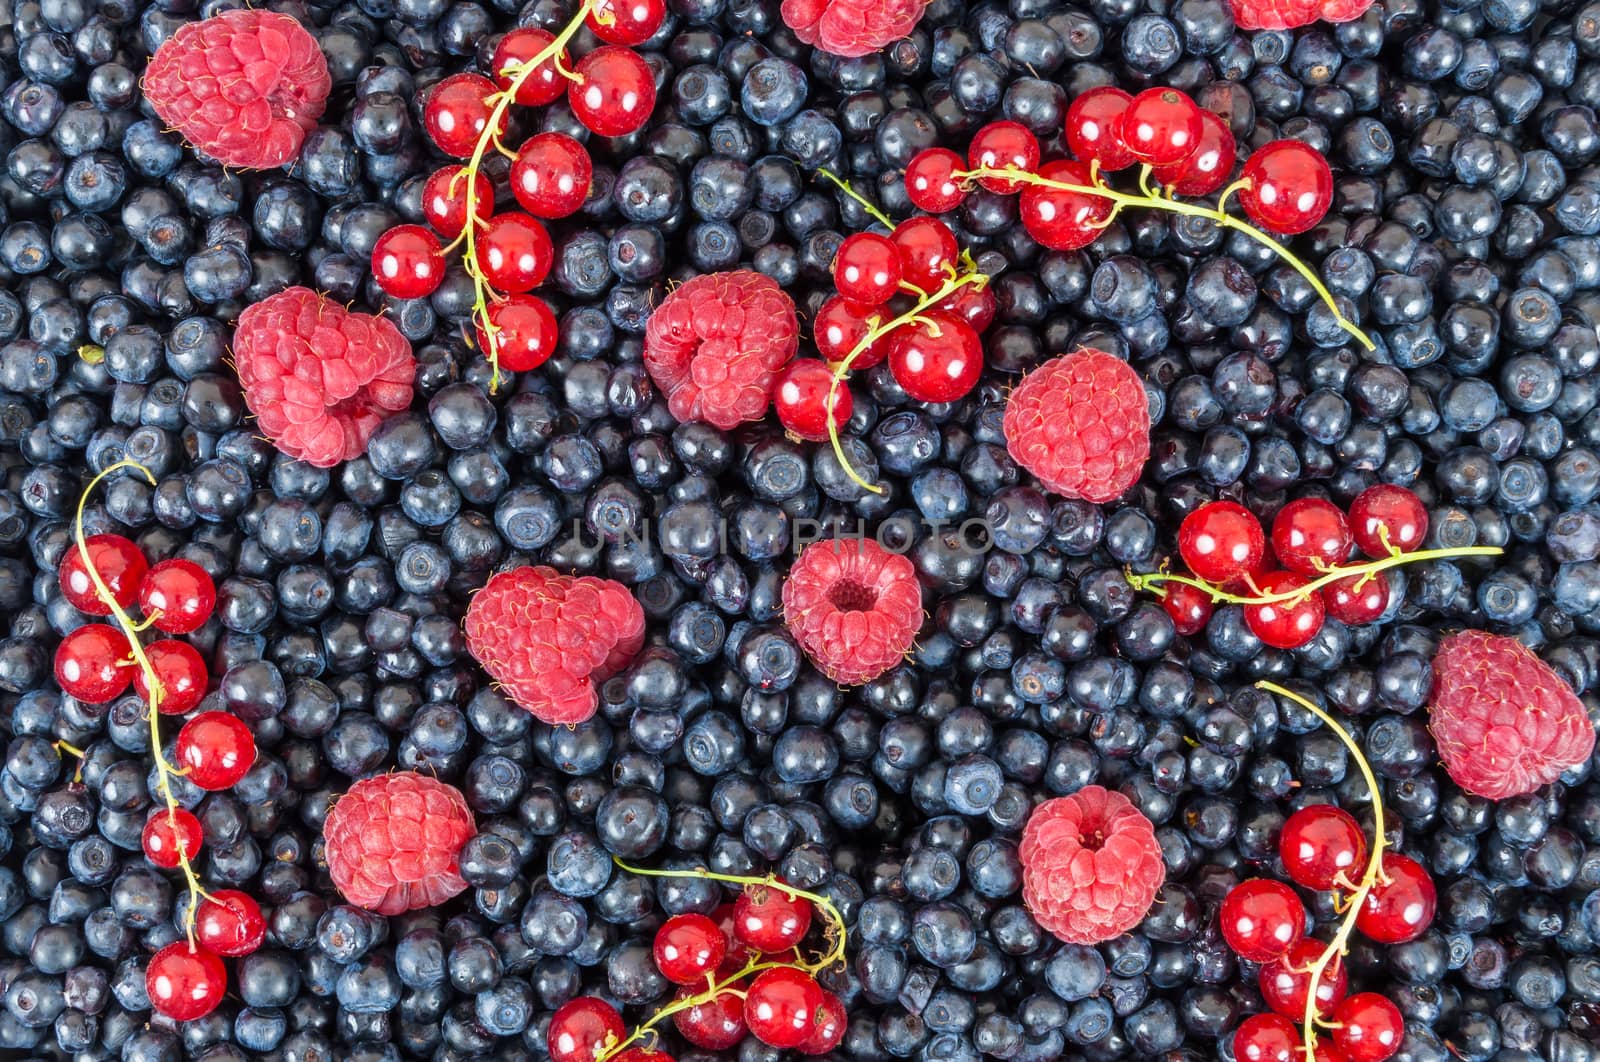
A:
x: 611, y: 91
x: 105, y: 575
x: 711, y: 957
x: 1285, y: 603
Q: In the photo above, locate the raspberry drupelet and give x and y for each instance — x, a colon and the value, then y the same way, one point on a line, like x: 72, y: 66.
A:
x: 1081, y: 423
x: 854, y: 607
x: 392, y: 840
x: 1091, y: 865
x: 851, y: 28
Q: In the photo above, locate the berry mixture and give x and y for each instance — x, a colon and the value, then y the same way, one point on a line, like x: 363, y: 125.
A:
x: 751, y: 530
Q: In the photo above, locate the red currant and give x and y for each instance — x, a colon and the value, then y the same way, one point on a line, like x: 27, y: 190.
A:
x: 936, y: 358
x: 1289, y: 189
x: 581, y: 1028
x: 407, y: 263
x: 1211, y: 164
x: 167, y: 832
x: 738, y: 954
x: 177, y: 596
x: 626, y: 21
x: 928, y: 252
x: 769, y: 919
x: 1401, y: 903
x: 1286, y: 981
x: 444, y: 199
x: 1220, y: 541
x: 184, y: 983
x: 551, y: 175
x: 780, y: 1006
x: 641, y: 1054
x: 1267, y: 1038
x: 181, y: 671
x: 91, y: 663
x: 121, y: 566
x: 688, y: 947
x: 1003, y: 146
x: 1310, y: 535
x: 841, y: 326
x: 801, y: 399
x: 1322, y: 848
x: 714, y: 1025
x: 515, y: 253
x: 458, y: 111
x: 545, y: 84
x: 866, y: 269
x: 827, y: 1027
x: 217, y: 748
x: 1367, y: 1027
x: 1357, y: 599
x: 1189, y: 606
x: 931, y: 181
x: 973, y: 304
x: 230, y: 923
x: 1289, y: 623
x: 525, y: 332
x: 1262, y: 919
x: 1385, y: 518
x: 1324, y: 1051
x: 615, y: 91
x: 1161, y: 126
x: 1094, y: 128
x: 1060, y: 219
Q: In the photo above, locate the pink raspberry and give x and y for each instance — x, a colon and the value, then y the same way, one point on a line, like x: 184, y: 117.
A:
x: 320, y: 378
x: 854, y: 607
x: 1292, y: 14
x: 244, y: 86
x: 1091, y: 865
x: 391, y: 842
x: 1081, y: 423
x: 716, y: 344
x: 851, y: 27
x: 1504, y: 721
x: 551, y: 639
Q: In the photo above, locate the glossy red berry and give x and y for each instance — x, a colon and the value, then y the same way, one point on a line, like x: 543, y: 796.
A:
x: 615, y: 91
x: 1211, y: 164
x: 1322, y: 848
x: 1385, y: 518
x: 515, y: 253
x: 1161, y: 126
x: 1189, y: 606
x: 931, y: 181
x: 828, y: 1026
x: 928, y: 252
x: 169, y: 833
x: 1220, y: 541
x: 581, y: 1027
x: 626, y: 21
x: 973, y: 304
x: 458, y: 112
x: 840, y: 328
x: 866, y: 269
x: 1267, y: 1038
x: 120, y: 563
x: 688, y: 947
x: 1285, y: 982
x: 185, y: 983
x: 182, y: 672
x: 407, y: 262
x: 1059, y: 218
x: 1289, y: 189
x: 1261, y: 919
x: 1401, y: 904
x: 780, y: 1006
x: 230, y: 923
x: 1357, y: 599
x: 936, y: 358
x: 1291, y: 622
x: 769, y: 919
x: 801, y: 399
x: 714, y: 1025
x: 92, y: 663
x: 1094, y: 128
x: 551, y: 175
x: 525, y: 332
x: 217, y: 749
x: 541, y: 86
x: 1310, y: 535
x: 1367, y: 1027
x: 444, y: 199
x: 177, y: 596
x: 1003, y: 145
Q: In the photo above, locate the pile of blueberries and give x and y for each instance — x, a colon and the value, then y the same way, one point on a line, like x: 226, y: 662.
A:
x: 1465, y: 231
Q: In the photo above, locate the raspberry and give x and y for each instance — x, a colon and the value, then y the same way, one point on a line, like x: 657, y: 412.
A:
x: 1081, y: 423
x: 320, y: 378
x: 550, y: 639
x: 1504, y: 721
x: 851, y: 27
x: 391, y: 842
x: 1091, y: 866
x: 1292, y: 14
x: 716, y: 345
x: 854, y: 607
x: 245, y: 86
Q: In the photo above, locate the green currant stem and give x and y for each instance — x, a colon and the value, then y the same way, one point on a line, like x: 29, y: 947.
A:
x: 152, y: 683
x: 866, y: 204
x: 92, y: 353
x: 1368, y: 568
x: 1341, y: 939
x: 1154, y: 202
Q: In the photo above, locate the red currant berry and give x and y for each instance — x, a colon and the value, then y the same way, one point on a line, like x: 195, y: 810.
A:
x: 1286, y: 981
x: 230, y: 923
x: 1310, y: 535
x: 179, y: 594
x: 444, y: 199
x: 581, y: 1028
x: 217, y: 748
x: 120, y: 564
x: 1322, y: 848
x: 1401, y: 903
x: 551, y: 175
x: 866, y: 269
x: 827, y: 1027
x: 181, y: 671
x: 738, y: 954
x: 1060, y: 219
x: 931, y: 181
x: 801, y: 399
x: 1003, y: 146
x: 457, y: 113
x: 780, y: 1006
x: 407, y: 263
x: 544, y: 85
x: 687, y: 947
x: 1189, y: 606
x: 1367, y: 1027
x: 841, y: 326
x: 626, y: 21
x: 1220, y: 541
x: 1094, y: 128
x: 615, y: 91
x: 1211, y: 164
x: 91, y: 663
x: 928, y: 252
x: 1357, y: 599
x: 1289, y: 623
x: 641, y: 1054
x: 1262, y: 919
x: 1161, y: 126
x: 167, y: 832
x: 715, y: 1025
x: 525, y: 333
x: 936, y: 358
x: 185, y: 984
x: 973, y: 304
x: 1267, y: 1038
x: 1324, y: 1051
x: 769, y: 919
x: 1290, y: 187
x: 1385, y: 518
x: 515, y: 253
